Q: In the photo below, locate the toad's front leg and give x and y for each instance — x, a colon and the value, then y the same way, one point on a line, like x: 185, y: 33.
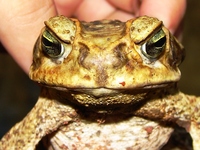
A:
x: 46, y: 116
x: 176, y: 107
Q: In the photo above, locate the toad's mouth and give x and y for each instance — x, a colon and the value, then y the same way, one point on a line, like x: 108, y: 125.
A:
x: 102, y: 92
x: 106, y: 91
x: 114, y: 100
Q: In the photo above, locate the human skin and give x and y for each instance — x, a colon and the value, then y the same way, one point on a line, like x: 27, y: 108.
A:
x: 22, y: 20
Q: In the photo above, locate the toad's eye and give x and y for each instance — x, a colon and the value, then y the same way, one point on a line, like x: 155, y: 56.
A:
x: 51, y: 46
x: 155, y: 46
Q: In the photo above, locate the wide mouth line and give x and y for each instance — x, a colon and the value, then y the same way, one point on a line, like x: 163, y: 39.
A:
x: 136, y: 88
x: 106, y: 92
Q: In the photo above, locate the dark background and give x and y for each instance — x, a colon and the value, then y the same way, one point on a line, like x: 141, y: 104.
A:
x: 18, y: 94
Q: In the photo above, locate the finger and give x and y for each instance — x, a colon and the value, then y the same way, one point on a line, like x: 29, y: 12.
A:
x: 120, y: 15
x: 67, y: 7
x: 130, y: 6
x: 170, y: 12
x: 21, y: 25
x: 90, y: 10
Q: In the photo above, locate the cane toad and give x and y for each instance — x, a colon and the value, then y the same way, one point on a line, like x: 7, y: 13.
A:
x: 105, y: 85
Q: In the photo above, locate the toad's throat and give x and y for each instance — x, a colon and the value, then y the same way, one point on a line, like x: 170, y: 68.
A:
x: 122, y: 102
x: 106, y: 97
x: 112, y: 103
x: 114, y: 99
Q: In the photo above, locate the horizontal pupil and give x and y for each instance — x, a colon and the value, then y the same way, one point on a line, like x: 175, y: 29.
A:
x: 52, y: 49
x: 160, y: 42
x: 154, y: 49
x: 46, y: 42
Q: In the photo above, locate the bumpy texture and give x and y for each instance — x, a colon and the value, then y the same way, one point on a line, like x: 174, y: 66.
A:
x: 105, y: 85
x: 106, y: 54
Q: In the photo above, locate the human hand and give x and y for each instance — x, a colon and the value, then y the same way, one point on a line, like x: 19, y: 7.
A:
x: 22, y: 20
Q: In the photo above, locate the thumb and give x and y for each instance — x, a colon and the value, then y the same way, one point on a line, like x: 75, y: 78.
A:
x: 20, y: 25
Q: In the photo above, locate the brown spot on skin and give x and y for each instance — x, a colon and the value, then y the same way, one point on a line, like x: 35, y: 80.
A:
x: 129, y: 148
x: 132, y: 28
x: 79, y: 138
x: 74, y: 146
x: 72, y: 38
x: 98, y: 133
x: 87, y: 145
x: 102, y: 77
x: 139, y: 30
x: 64, y: 147
x: 149, y: 129
x: 73, y: 114
x: 67, y: 31
x: 123, y: 83
x: 87, y: 77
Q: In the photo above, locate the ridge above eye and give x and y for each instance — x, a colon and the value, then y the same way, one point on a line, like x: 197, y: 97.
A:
x: 51, y: 46
x: 155, y: 46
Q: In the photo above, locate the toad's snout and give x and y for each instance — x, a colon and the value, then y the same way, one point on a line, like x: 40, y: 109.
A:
x: 102, y: 58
